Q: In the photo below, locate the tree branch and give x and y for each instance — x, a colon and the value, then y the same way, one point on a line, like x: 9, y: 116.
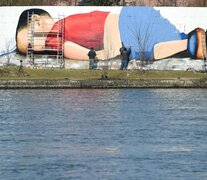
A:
x: 162, y: 3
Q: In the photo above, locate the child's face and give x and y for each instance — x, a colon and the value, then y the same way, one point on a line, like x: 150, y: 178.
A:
x: 22, y: 42
x: 41, y: 26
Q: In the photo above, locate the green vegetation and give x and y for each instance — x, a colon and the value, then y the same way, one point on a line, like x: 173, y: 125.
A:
x: 179, y: 3
x: 13, y: 73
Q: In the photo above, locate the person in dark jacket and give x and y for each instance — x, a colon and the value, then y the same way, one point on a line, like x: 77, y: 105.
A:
x: 124, y: 57
x: 92, y: 56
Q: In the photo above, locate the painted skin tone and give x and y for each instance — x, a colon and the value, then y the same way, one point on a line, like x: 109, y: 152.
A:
x: 112, y: 41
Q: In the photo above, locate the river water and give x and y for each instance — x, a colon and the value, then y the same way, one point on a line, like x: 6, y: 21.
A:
x: 103, y: 134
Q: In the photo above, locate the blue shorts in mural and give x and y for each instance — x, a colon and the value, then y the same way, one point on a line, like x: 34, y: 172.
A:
x: 143, y: 27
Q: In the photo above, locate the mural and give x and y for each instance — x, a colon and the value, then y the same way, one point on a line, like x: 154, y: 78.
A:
x: 154, y: 34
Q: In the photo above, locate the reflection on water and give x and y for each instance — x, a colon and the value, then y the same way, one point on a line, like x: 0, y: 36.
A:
x: 103, y: 134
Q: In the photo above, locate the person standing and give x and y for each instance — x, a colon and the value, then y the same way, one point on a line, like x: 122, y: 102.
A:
x: 20, y: 70
x: 92, y: 56
x: 124, y: 57
x: 129, y: 53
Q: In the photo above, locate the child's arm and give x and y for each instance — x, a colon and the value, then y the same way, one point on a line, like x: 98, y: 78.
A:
x: 112, y: 42
x: 75, y: 51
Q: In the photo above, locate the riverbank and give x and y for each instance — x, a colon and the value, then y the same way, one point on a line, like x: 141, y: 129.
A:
x: 155, y: 83
x: 64, y: 78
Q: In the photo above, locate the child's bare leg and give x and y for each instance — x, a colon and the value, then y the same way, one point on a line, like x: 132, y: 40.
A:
x: 112, y: 40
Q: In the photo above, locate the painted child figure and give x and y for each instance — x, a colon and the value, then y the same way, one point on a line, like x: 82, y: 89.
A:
x: 105, y: 31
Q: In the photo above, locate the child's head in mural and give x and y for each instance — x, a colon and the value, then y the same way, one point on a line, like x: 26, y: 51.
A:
x: 141, y: 28
x: 42, y: 23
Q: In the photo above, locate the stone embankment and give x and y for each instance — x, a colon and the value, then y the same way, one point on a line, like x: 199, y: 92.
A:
x: 66, y: 83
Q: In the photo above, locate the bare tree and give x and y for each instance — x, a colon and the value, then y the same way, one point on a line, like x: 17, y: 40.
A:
x: 100, y: 2
x: 186, y: 3
x: 9, y: 2
x: 139, y: 3
x: 6, y: 49
x: 161, y: 2
x: 6, y: 2
x: 142, y: 33
x: 167, y: 2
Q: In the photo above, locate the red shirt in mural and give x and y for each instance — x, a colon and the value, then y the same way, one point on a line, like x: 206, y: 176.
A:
x: 85, y: 29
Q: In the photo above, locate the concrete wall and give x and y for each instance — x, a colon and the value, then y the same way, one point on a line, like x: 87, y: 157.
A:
x: 37, y: 84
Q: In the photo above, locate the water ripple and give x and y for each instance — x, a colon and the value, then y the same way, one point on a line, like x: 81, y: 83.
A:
x: 103, y: 134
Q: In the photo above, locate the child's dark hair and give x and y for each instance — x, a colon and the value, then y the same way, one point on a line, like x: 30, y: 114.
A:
x: 23, y: 18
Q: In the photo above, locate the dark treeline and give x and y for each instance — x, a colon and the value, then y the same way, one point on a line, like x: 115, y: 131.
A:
x: 184, y: 3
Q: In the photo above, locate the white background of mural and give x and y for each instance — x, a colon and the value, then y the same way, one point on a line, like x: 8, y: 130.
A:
x: 184, y: 19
